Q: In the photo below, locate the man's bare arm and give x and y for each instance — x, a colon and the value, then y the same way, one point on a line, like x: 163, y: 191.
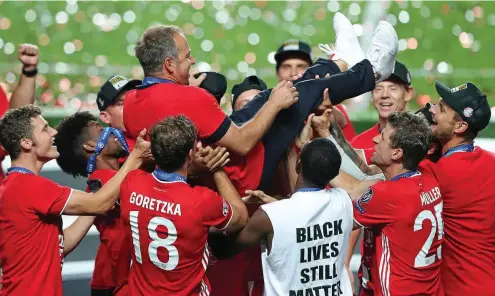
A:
x: 23, y: 94
x: 338, y: 135
x: 351, y: 185
x: 76, y: 232
x: 257, y: 228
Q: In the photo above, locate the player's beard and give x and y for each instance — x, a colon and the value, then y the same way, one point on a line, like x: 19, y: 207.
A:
x: 443, y: 136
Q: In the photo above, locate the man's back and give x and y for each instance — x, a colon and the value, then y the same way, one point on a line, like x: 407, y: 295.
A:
x: 144, y: 107
x: 408, y: 211
x: 467, y: 182
x: 169, y: 222
x: 310, y: 239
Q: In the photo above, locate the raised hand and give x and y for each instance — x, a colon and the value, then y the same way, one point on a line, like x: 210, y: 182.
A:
x: 257, y: 196
x: 306, y: 134
x: 193, y: 81
x: 321, y: 124
x: 284, y: 95
x: 208, y: 159
x: 29, y: 56
x: 142, y: 149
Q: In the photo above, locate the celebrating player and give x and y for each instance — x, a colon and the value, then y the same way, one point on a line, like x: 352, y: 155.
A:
x: 467, y: 175
x: 404, y: 213
x: 169, y: 220
x: 33, y: 244
x: 86, y: 148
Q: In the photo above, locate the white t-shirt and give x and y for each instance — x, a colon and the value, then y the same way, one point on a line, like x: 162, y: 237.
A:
x: 310, y: 240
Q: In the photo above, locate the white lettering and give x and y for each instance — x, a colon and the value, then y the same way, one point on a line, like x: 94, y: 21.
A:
x: 430, y: 196
x: 146, y: 201
x: 152, y: 204
x: 149, y: 203
x: 177, y: 210
x: 139, y: 199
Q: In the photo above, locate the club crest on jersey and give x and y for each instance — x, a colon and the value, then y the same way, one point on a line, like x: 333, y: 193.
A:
x: 225, y: 209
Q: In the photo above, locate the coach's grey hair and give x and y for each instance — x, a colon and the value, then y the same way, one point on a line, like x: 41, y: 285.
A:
x: 412, y: 134
x: 156, y: 44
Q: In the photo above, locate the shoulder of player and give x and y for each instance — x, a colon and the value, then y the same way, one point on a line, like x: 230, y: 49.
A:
x: 103, y: 175
x: 134, y: 175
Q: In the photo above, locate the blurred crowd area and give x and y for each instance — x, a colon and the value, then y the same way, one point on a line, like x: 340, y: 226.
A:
x: 83, y: 43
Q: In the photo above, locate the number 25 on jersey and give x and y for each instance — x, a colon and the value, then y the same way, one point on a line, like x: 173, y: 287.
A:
x: 422, y: 259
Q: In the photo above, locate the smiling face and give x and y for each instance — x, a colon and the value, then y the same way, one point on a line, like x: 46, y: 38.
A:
x: 390, y: 96
x: 446, y: 122
x: 42, y: 142
x: 185, y: 60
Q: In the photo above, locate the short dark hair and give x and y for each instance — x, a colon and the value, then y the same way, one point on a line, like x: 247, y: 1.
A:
x: 171, y: 140
x: 15, y: 126
x: 320, y: 161
x: 412, y: 134
x: 72, y: 134
x: 156, y: 44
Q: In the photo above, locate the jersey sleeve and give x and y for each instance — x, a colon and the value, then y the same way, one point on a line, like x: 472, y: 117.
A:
x: 210, y: 120
x: 49, y: 198
x: 215, y: 210
x: 368, y: 153
x: 378, y: 205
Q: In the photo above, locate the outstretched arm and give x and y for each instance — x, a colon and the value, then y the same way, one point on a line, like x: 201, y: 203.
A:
x: 76, y: 232
x: 257, y: 228
x: 23, y: 94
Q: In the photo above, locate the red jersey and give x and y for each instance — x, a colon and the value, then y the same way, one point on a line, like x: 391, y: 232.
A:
x: 113, y: 260
x: 348, y: 130
x: 406, y: 217
x: 31, y: 240
x: 467, y: 182
x: 145, y: 107
x: 365, y: 141
x: 4, y: 106
x: 169, y: 222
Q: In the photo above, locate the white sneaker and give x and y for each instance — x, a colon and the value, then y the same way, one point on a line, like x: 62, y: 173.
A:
x: 347, y: 46
x: 382, y: 51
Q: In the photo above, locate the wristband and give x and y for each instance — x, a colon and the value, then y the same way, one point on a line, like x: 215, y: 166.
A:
x: 30, y: 73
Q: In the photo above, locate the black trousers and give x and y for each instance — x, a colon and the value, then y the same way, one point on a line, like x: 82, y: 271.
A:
x: 289, y: 122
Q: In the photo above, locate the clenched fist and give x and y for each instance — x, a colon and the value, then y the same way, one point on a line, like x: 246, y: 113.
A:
x: 29, y: 56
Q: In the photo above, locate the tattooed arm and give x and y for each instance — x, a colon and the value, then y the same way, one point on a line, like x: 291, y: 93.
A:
x: 338, y: 135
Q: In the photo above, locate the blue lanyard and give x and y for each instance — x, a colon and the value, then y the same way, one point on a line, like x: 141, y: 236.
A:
x: 153, y: 80
x: 19, y: 170
x: 461, y: 148
x: 168, y: 177
x: 405, y: 175
x: 102, y: 141
x: 313, y: 189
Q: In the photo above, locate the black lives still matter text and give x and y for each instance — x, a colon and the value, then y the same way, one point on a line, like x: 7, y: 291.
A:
x: 321, y: 253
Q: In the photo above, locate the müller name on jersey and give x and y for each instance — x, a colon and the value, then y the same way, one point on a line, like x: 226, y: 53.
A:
x: 323, y: 251
x: 154, y: 204
x: 430, y: 196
